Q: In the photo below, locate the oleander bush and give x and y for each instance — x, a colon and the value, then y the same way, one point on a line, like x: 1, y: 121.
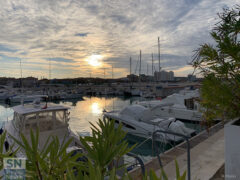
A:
x: 219, y: 64
x: 99, y: 160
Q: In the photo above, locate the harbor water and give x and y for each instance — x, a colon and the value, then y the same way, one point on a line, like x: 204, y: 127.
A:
x: 90, y: 109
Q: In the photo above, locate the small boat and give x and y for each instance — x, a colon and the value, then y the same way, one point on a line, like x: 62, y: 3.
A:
x: 25, y: 98
x: 50, y: 119
x: 5, y: 92
x: 132, y: 92
x: 140, y: 121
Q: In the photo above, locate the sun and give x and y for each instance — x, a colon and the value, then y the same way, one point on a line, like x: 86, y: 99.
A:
x: 95, y: 60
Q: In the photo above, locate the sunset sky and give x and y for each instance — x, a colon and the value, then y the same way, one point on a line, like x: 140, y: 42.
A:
x: 79, y: 37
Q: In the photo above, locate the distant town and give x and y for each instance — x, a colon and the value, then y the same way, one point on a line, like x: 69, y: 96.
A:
x: 162, y: 76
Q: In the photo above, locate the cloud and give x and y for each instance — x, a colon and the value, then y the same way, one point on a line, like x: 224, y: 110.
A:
x: 60, y: 59
x: 72, y: 30
x: 4, y: 48
x: 82, y: 34
x: 8, y: 58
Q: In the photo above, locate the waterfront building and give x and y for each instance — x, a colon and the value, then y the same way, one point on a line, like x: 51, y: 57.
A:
x: 164, y: 76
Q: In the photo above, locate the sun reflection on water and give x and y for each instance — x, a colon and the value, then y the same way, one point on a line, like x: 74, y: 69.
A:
x: 96, y: 109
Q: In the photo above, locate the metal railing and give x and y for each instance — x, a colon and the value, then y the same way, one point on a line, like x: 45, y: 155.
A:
x: 176, y: 134
x: 139, y: 161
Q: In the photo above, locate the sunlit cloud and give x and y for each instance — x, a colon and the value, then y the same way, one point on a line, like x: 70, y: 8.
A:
x: 95, y: 60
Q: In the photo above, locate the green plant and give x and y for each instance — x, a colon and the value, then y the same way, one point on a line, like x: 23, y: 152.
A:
x: 219, y: 64
x: 49, y: 162
x: 3, y: 152
x: 103, y: 149
x: 106, y: 146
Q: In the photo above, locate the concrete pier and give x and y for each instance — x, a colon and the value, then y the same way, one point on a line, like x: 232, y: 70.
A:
x: 207, y: 156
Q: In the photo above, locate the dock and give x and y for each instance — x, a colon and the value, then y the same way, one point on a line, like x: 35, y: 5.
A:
x: 207, y: 156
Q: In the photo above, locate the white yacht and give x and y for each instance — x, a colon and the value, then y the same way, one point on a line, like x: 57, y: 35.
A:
x: 51, y: 120
x: 140, y: 121
x: 24, y: 98
x: 183, y: 106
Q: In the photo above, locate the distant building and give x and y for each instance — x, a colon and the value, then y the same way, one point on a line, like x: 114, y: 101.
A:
x: 164, y: 76
x: 146, y: 78
x: 180, y: 79
x: 132, y: 77
x: 29, y: 82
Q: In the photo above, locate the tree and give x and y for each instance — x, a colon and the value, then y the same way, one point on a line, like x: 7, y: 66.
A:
x: 219, y: 64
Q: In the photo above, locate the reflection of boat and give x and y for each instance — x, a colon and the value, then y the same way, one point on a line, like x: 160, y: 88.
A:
x: 50, y: 119
x: 142, y: 122
x: 184, y: 106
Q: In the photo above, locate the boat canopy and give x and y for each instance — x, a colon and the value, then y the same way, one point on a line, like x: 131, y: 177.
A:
x: 31, y: 116
x: 134, y: 111
x: 34, y: 108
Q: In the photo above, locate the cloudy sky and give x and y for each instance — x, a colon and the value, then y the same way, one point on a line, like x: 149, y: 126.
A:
x: 82, y: 37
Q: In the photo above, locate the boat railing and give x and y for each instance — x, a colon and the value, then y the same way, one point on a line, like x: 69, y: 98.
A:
x: 139, y: 160
x: 155, y: 149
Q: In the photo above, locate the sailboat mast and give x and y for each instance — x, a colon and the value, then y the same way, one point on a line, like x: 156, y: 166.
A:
x: 159, y: 66
x: 21, y: 75
x: 130, y: 65
x: 104, y: 72
x: 112, y: 72
x: 152, y: 64
x: 147, y: 69
x: 140, y: 67
x: 49, y: 69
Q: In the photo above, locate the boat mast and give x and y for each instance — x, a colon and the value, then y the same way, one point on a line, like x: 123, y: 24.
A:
x: 21, y: 82
x: 147, y: 69
x: 159, y: 66
x: 49, y: 69
x: 112, y: 72
x: 130, y: 65
x: 21, y: 75
x: 140, y: 63
x: 152, y: 64
x: 104, y: 72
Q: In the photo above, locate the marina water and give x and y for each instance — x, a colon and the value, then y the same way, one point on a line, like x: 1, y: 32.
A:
x: 90, y: 109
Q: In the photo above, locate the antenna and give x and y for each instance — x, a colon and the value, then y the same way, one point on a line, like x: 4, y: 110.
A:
x: 140, y: 63
x: 159, y: 66
x: 152, y: 64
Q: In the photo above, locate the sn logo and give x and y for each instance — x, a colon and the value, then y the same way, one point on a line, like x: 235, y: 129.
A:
x: 14, y: 163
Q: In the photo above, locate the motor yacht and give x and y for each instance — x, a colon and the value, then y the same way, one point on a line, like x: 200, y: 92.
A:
x: 140, y: 121
x: 51, y: 120
x: 184, y: 106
